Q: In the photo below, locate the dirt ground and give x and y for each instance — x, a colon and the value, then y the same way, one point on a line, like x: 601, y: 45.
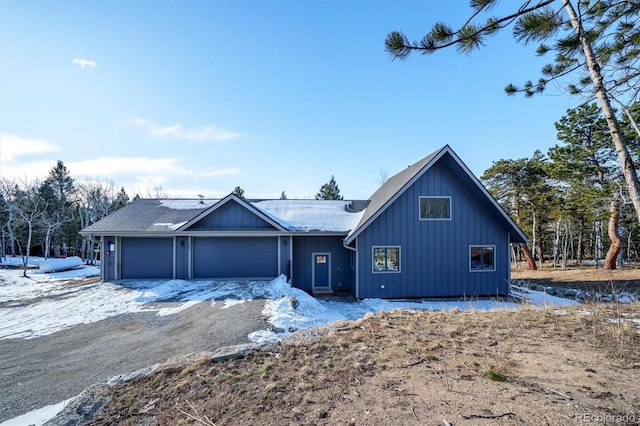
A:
x: 529, y: 366
x: 586, y: 278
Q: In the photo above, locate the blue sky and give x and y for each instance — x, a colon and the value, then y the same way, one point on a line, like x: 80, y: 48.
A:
x: 197, y: 97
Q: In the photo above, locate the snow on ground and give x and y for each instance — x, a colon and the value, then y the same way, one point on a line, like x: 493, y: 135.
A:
x: 39, y: 416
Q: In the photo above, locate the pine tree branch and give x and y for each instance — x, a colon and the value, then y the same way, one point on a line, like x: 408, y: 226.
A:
x: 399, y: 47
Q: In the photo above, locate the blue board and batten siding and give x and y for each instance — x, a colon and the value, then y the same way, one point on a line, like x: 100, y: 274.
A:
x: 434, y: 254
x: 231, y: 216
x: 341, y: 272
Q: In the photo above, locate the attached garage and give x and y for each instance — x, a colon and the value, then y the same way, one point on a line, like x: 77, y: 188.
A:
x: 235, y: 257
x: 146, y: 258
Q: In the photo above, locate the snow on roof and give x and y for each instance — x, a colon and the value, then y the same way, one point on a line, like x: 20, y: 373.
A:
x: 187, y: 204
x: 312, y: 215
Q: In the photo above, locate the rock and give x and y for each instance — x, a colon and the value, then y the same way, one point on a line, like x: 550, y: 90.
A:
x: 240, y: 351
x: 571, y: 292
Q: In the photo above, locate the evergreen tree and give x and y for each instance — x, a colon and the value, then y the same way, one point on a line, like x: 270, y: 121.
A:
x: 238, y: 191
x: 598, y: 41
x: 329, y: 191
x: 120, y: 201
x: 60, y: 179
x: 520, y: 186
x: 585, y: 163
x: 283, y: 196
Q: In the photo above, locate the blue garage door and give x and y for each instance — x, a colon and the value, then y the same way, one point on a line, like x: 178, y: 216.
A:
x: 146, y: 258
x: 228, y: 257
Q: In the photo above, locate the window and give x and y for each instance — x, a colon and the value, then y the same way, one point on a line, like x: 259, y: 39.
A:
x: 482, y: 258
x: 386, y: 259
x: 435, y: 208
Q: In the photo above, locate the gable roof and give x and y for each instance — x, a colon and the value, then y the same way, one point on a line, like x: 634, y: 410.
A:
x: 396, y: 185
x: 271, y: 220
x: 176, y: 216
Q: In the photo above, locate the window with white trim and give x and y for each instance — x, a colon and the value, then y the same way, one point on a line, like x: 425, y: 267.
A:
x: 435, y: 208
x: 386, y: 259
x: 482, y: 258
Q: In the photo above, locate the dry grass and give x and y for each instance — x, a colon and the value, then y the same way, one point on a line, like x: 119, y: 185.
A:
x: 588, y: 278
x: 528, y: 366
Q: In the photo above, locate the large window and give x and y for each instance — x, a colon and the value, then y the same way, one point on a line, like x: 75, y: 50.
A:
x: 482, y: 258
x: 435, y: 208
x: 386, y: 259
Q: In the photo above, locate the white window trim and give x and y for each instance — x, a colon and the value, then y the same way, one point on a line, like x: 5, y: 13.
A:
x: 435, y: 218
x: 493, y: 247
x: 373, y: 251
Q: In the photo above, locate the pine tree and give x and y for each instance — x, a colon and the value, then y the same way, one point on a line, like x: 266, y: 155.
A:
x: 329, y: 191
x: 120, y: 201
x: 60, y: 179
x: 238, y: 191
x: 585, y: 162
x: 283, y: 196
x: 598, y: 41
x: 520, y: 186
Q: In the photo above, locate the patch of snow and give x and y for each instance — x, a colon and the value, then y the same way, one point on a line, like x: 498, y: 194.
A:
x: 312, y: 215
x: 541, y: 298
x: 232, y: 302
x: 185, y: 204
x: 175, y: 226
x: 262, y: 336
x: 174, y: 310
x: 37, y: 417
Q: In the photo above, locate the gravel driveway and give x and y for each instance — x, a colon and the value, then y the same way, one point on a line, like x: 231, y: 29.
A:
x: 50, y: 369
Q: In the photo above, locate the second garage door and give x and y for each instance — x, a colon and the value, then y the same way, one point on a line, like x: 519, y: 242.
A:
x: 228, y: 257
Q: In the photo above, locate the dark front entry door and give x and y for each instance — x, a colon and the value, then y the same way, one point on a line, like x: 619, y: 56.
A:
x: 321, y: 271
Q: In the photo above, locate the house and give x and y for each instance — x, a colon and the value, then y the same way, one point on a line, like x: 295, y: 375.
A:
x: 431, y: 230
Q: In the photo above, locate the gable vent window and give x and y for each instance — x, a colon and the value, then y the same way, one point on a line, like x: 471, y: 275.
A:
x: 435, y: 208
x: 386, y: 259
x: 482, y: 258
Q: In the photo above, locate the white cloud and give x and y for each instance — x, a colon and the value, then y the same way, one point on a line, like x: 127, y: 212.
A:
x: 221, y: 172
x: 84, y: 63
x: 176, y: 131
x: 109, y: 166
x: 14, y: 146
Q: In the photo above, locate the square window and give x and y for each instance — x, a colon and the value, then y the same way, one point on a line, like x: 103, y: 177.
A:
x: 321, y: 259
x: 482, y: 258
x: 386, y: 259
x: 435, y: 208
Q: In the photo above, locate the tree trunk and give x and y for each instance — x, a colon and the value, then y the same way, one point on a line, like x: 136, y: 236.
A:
x: 580, y: 249
x: 597, y: 247
x: 628, y: 168
x: 616, y: 242
x: 556, y: 245
x: 531, y: 263
x: 47, y: 242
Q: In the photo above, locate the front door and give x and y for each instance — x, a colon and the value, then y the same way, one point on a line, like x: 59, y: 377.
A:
x: 321, y: 272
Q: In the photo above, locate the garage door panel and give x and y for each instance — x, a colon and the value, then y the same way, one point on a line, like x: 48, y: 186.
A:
x: 146, y: 258
x: 228, y: 257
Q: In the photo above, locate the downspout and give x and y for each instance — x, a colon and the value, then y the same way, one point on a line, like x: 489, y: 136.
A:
x: 508, y: 262
x: 344, y: 244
